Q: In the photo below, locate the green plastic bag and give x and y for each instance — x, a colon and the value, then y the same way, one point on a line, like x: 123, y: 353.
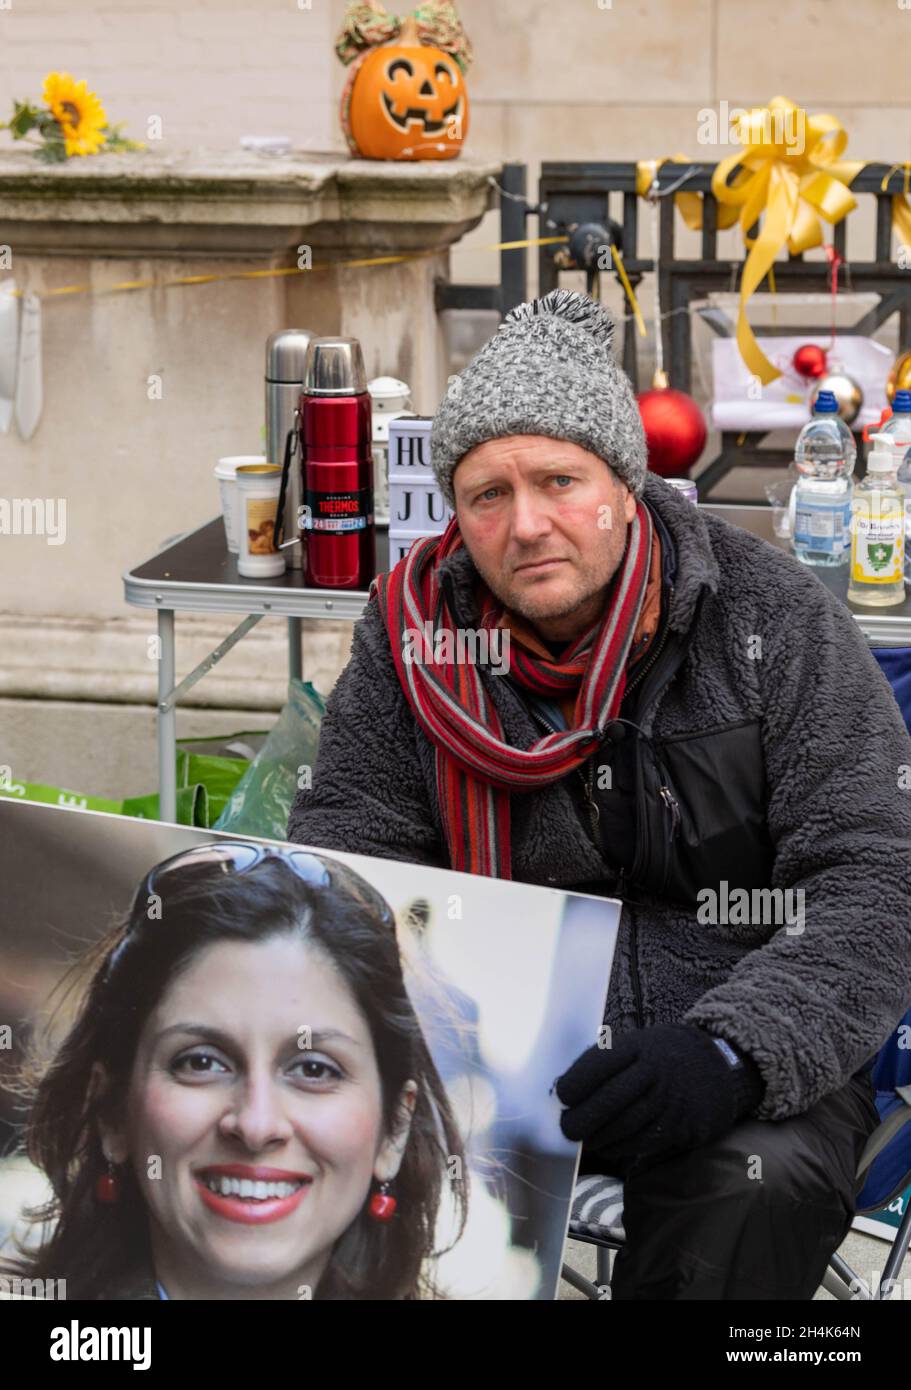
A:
x: 205, y: 782
x: 56, y: 796
x: 261, y: 802
x: 192, y: 806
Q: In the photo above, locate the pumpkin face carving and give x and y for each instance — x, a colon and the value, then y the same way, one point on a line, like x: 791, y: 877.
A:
x: 408, y: 102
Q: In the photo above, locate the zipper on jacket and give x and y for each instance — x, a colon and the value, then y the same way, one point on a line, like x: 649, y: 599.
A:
x: 593, y: 808
x: 542, y: 718
x: 712, y: 729
x: 644, y: 840
x: 585, y: 774
x: 646, y: 666
x: 670, y: 801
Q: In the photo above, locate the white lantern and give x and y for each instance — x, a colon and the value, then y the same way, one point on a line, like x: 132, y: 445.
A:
x: 389, y: 398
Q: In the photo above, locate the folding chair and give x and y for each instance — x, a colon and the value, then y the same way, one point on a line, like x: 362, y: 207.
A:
x: 597, y: 1209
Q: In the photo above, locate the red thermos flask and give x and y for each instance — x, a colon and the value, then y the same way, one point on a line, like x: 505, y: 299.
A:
x: 338, y: 532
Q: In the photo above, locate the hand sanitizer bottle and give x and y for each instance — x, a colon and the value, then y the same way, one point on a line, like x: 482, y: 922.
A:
x: 878, y: 531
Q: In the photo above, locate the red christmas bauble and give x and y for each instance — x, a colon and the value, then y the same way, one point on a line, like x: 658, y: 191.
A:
x: 810, y: 360
x: 674, y: 431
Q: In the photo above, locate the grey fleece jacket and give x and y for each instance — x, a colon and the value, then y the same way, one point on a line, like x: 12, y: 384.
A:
x: 810, y: 1007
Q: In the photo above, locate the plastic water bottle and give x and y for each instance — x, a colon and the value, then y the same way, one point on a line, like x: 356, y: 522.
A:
x: 824, y: 458
x: 878, y: 530
x: 898, y: 427
x: 903, y: 481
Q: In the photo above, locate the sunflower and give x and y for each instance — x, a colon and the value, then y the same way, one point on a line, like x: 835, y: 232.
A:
x: 78, y: 112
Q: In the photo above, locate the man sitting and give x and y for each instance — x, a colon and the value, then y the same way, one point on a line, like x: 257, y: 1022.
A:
x: 688, y: 721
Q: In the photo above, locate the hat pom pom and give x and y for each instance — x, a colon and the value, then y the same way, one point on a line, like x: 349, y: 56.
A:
x: 567, y: 304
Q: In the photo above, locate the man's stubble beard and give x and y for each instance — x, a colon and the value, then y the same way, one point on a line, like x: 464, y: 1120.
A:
x: 535, y: 608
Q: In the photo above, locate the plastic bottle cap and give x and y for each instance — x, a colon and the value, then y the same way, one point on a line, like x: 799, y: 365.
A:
x: 882, y: 458
x: 826, y: 403
x: 901, y: 404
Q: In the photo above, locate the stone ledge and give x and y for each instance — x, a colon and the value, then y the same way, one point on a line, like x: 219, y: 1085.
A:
x: 90, y: 659
x: 238, y: 203
x: 103, y: 749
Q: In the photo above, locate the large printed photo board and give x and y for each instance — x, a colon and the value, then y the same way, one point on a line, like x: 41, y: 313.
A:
x: 246, y: 1070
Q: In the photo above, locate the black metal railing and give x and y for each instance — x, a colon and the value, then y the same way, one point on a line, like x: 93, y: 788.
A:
x: 571, y: 194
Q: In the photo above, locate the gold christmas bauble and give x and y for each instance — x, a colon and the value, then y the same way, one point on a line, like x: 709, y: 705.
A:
x: 900, y: 376
x: 846, y: 391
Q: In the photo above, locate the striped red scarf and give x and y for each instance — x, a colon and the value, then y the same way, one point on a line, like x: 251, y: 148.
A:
x: 476, y: 771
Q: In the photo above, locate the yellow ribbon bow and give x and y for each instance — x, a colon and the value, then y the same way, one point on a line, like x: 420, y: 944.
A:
x: 790, y: 172
x: 901, y: 211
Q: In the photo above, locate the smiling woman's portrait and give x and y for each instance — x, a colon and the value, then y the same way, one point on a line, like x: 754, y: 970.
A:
x: 245, y: 1106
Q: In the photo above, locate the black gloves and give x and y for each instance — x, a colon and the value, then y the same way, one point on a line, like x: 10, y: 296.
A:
x: 655, y: 1092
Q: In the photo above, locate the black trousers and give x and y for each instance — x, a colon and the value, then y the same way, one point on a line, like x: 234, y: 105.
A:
x: 753, y: 1215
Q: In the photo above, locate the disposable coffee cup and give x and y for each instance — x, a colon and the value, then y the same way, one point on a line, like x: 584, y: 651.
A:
x: 226, y: 473
x: 258, y: 488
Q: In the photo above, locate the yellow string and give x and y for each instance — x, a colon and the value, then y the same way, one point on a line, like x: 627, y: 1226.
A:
x: 624, y: 280
x: 886, y: 177
x: 212, y: 279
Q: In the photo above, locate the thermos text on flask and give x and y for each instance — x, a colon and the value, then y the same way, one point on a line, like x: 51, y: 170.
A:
x: 337, y: 511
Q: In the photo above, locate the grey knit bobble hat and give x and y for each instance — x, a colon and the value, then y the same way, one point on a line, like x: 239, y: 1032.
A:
x: 548, y: 369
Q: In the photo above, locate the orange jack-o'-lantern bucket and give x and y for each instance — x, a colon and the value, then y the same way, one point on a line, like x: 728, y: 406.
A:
x: 406, y: 98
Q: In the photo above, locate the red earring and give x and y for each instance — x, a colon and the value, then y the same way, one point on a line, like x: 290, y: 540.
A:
x: 382, y: 1205
x: 107, y: 1186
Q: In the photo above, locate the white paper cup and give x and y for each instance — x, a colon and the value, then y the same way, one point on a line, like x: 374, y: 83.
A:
x: 225, y: 472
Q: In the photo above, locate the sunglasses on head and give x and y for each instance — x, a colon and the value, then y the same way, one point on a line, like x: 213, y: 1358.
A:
x: 239, y: 856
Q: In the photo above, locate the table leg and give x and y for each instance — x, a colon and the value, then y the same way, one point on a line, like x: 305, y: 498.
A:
x: 295, y: 649
x: 167, y: 720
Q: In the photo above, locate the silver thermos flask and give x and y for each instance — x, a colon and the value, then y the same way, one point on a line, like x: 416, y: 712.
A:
x: 285, y: 355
